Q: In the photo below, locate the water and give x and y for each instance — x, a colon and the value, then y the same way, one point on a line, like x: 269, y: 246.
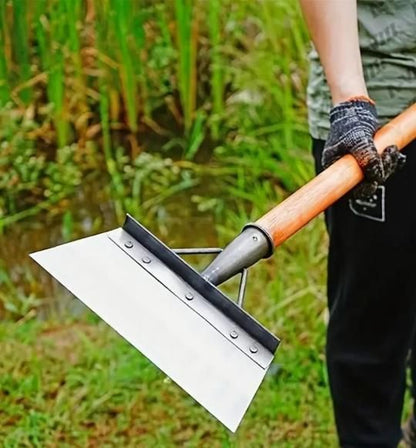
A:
x: 90, y: 211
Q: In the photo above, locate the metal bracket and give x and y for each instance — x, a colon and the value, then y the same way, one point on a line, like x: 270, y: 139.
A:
x: 212, y: 251
x: 192, y: 298
x: 189, y: 276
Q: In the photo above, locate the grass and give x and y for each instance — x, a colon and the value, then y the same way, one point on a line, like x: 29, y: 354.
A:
x: 193, y: 119
x: 186, y: 74
x: 217, y: 68
x: 123, y: 31
x: 20, y: 10
x: 191, y: 116
x: 4, y: 87
x: 175, y: 80
x: 69, y: 381
x: 76, y: 383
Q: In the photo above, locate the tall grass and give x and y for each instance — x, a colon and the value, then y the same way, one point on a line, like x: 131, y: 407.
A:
x: 21, y: 47
x: 73, y: 10
x: 186, y: 34
x: 217, y: 75
x: 4, y: 82
x: 123, y: 13
x: 221, y: 82
x: 56, y: 79
x: 139, y: 59
x: 104, y: 110
x: 179, y: 57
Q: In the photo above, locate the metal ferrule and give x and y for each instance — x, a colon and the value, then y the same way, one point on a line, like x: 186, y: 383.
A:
x: 246, y: 249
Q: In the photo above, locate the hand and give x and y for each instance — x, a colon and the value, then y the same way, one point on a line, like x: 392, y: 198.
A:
x: 353, y: 125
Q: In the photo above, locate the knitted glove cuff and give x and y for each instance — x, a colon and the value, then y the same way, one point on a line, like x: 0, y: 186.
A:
x: 355, y: 110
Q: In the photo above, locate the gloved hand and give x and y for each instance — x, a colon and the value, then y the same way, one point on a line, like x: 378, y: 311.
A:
x: 353, y: 125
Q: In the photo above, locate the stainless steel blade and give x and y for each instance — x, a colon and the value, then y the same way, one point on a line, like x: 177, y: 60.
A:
x: 180, y: 340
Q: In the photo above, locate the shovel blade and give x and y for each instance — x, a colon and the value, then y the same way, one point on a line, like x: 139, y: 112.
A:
x: 181, y: 342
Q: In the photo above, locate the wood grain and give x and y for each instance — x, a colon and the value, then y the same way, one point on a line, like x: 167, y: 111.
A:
x: 317, y: 195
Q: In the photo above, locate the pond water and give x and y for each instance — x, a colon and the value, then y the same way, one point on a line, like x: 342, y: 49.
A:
x: 89, y: 211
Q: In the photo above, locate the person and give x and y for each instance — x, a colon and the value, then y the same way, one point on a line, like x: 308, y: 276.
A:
x: 362, y: 74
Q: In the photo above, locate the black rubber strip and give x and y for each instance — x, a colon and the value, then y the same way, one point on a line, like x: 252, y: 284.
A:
x: 203, y: 287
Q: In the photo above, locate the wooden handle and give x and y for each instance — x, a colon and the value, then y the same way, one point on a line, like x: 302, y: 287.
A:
x: 317, y: 195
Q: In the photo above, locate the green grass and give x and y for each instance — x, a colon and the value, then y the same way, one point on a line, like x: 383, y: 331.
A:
x: 188, y: 117
x: 21, y: 48
x: 181, y: 56
x: 221, y: 86
x: 186, y: 42
x: 78, y: 384
x: 123, y: 32
x: 217, y: 68
x: 4, y: 86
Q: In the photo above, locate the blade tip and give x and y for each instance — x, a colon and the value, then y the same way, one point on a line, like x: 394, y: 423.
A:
x: 35, y: 256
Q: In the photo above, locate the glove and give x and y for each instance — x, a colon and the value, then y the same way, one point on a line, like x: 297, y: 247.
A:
x: 353, y: 125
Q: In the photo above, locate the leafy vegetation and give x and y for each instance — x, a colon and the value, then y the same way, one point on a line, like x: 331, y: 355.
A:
x: 189, y: 115
x: 218, y: 83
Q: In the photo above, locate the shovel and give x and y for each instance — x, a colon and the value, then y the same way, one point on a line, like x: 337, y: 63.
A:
x: 177, y: 317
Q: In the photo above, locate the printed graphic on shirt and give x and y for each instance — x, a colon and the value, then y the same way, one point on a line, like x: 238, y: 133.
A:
x: 372, y: 208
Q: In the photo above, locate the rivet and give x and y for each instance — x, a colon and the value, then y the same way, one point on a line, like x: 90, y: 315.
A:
x: 128, y: 244
x: 234, y: 334
x: 189, y: 296
x: 146, y: 260
x: 254, y: 349
x: 255, y: 238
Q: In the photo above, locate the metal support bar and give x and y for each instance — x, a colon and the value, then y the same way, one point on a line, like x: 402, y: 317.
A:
x: 153, y: 247
x: 197, y: 250
x: 212, y: 251
x: 242, y: 288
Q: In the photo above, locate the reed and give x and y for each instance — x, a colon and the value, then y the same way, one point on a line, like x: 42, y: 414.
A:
x: 216, y: 66
x: 21, y: 48
x: 4, y: 74
x: 123, y: 12
x: 139, y: 50
x: 56, y: 80
x: 186, y: 36
x: 142, y: 40
x: 73, y: 12
x: 50, y: 38
x: 102, y: 9
x: 41, y: 35
x: 219, y: 82
x: 279, y: 20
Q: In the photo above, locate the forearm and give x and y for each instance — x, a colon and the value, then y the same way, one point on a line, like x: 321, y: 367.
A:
x: 334, y: 30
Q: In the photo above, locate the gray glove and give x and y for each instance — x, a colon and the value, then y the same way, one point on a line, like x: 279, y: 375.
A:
x: 353, y: 125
